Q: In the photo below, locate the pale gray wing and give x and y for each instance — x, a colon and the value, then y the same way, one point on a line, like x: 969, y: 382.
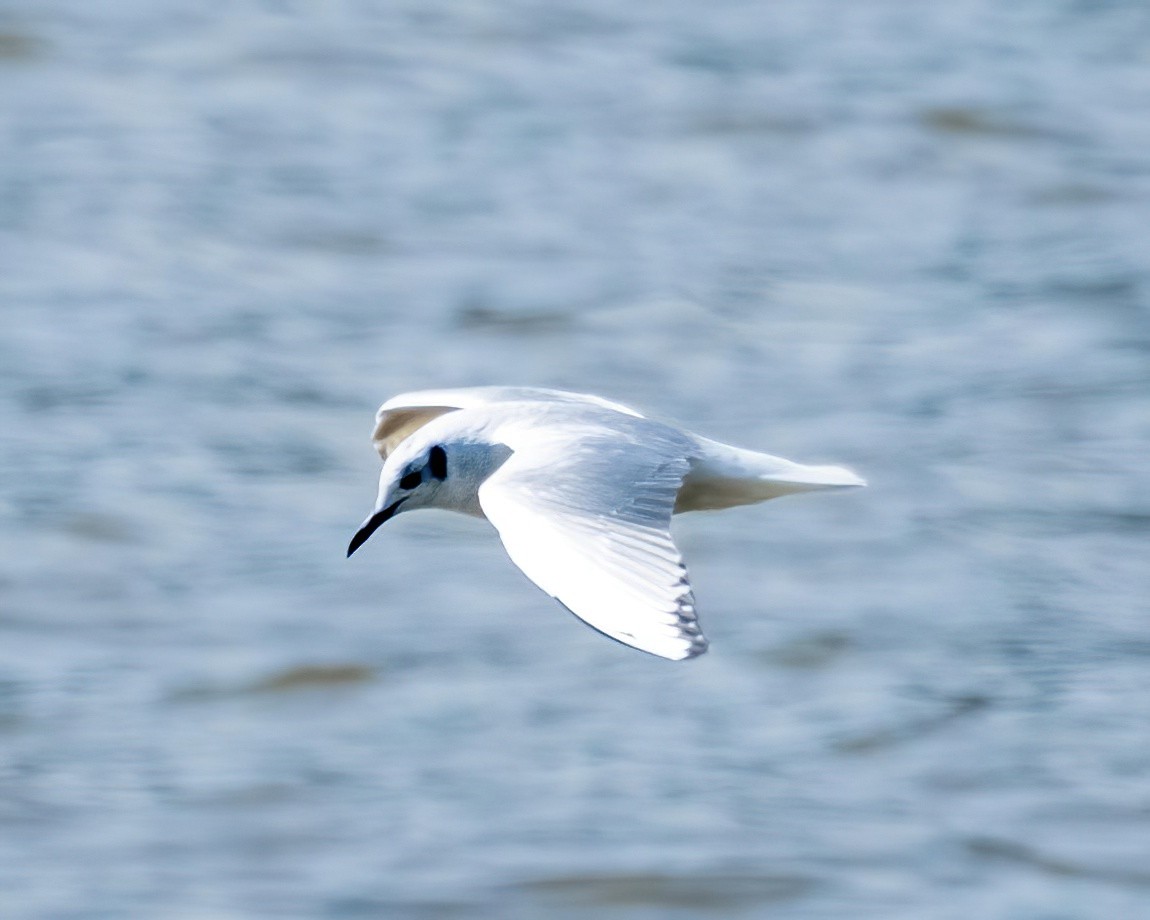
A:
x: 401, y: 415
x: 585, y: 512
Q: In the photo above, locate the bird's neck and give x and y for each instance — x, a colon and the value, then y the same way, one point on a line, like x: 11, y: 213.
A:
x: 469, y: 464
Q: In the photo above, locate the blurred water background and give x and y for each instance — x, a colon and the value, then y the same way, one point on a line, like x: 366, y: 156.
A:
x: 908, y: 237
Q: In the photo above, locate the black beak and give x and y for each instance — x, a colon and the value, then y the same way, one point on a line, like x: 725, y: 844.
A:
x: 372, y: 524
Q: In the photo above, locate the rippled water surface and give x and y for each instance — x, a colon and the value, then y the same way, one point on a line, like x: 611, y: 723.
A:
x: 908, y: 237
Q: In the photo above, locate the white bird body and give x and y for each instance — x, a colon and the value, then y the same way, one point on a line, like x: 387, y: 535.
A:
x: 581, y: 491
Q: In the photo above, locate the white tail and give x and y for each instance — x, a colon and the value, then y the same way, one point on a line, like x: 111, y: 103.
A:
x: 727, y: 476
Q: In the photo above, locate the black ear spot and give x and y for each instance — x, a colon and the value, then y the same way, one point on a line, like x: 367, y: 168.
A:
x: 437, y: 462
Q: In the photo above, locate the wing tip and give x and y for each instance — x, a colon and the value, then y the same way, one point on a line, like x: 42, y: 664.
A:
x: 689, y: 629
x: 694, y: 643
x: 698, y: 646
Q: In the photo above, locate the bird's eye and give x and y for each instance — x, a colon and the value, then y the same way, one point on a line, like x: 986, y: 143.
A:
x: 411, y: 480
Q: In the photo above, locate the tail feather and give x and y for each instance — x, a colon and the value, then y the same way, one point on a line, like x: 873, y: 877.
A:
x: 727, y: 476
x: 817, y: 477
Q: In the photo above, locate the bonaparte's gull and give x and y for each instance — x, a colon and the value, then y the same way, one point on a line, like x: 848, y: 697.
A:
x: 582, y: 491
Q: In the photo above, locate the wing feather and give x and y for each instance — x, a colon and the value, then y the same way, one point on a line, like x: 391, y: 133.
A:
x: 401, y: 415
x: 591, y: 527
x: 394, y: 426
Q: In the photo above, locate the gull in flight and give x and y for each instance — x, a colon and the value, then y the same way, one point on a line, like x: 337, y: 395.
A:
x: 581, y: 491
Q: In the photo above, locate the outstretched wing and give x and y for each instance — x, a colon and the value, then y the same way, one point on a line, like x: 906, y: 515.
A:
x: 401, y: 415
x: 585, y: 512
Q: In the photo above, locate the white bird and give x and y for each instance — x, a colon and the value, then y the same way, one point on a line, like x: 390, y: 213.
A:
x: 581, y: 491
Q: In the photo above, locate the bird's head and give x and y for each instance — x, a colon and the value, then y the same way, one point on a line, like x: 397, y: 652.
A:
x: 440, y: 465
x: 414, y: 476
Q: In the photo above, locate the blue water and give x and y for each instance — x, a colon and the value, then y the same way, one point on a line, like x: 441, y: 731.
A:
x: 911, y: 238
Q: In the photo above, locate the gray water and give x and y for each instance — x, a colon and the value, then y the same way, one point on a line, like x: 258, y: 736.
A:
x: 912, y: 238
